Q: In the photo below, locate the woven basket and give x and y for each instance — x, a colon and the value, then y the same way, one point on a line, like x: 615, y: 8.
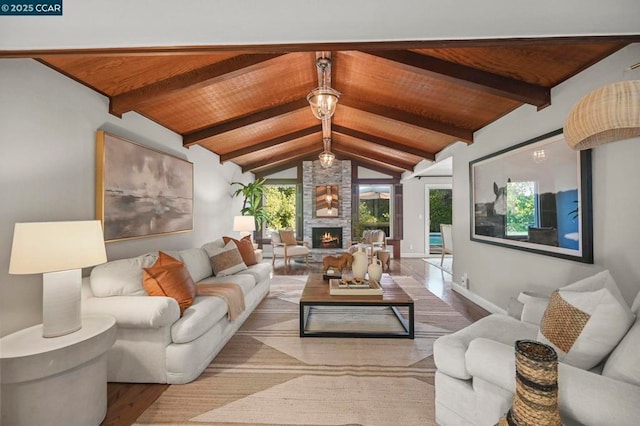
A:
x: 536, y: 398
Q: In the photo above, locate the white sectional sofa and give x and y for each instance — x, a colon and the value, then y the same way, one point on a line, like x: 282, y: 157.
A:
x: 154, y: 343
x: 475, y: 377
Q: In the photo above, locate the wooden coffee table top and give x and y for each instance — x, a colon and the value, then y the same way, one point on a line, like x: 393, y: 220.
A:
x: 317, y: 291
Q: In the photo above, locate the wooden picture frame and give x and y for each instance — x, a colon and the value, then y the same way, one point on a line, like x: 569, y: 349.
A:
x: 140, y: 191
x: 327, y: 201
x: 534, y: 196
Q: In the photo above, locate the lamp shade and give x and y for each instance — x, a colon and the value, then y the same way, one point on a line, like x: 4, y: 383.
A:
x: 40, y: 247
x: 607, y: 114
x: 326, y: 159
x: 244, y: 223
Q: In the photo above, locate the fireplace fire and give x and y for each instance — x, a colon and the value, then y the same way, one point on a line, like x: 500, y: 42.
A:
x: 327, y: 238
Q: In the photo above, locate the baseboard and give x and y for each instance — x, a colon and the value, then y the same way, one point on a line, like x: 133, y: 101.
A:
x: 484, y: 303
x: 413, y: 255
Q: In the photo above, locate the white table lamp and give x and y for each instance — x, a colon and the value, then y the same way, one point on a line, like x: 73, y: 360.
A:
x: 244, y: 224
x: 58, y: 250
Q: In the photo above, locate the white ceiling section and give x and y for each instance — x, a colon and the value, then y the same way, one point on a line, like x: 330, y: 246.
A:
x: 140, y: 23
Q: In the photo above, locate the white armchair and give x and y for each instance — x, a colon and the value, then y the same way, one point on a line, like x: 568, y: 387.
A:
x: 373, y: 240
x: 286, y: 246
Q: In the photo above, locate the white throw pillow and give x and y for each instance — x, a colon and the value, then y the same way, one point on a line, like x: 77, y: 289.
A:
x: 121, y: 277
x: 585, y: 321
x: 226, y: 260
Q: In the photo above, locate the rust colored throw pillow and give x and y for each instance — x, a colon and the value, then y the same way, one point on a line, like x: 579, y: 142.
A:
x: 169, y: 277
x: 288, y: 238
x: 245, y: 247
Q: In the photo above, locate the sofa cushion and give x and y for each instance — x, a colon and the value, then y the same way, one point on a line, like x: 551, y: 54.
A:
x: 197, y: 262
x: 226, y: 260
x: 449, y: 351
x: 219, y: 243
x: 121, y: 277
x: 585, y: 321
x: 169, y: 277
x: 245, y: 247
x: 198, y: 318
x: 623, y: 363
x: 259, y: 271
x: 246, y: 281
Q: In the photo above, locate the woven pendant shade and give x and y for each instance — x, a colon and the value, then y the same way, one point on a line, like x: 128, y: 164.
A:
x: 607, y: 114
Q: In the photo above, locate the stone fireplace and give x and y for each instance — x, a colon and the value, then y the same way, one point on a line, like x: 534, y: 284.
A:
x: 313, y: 176
x: 326, y: 237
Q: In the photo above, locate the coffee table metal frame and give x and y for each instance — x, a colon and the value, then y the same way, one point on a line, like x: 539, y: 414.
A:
x: 306, y: 303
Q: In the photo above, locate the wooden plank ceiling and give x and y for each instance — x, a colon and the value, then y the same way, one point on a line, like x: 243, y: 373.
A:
x: 397, y: 107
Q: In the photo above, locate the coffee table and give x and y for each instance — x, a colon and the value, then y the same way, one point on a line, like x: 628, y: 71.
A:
x: 316, y: 293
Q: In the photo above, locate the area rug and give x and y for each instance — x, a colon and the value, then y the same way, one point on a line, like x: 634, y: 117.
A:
x: 268, y: 375
x: 447, y: 264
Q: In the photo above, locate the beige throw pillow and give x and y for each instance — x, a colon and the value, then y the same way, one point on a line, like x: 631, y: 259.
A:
x: 225, y: 261
x: 585, y: 321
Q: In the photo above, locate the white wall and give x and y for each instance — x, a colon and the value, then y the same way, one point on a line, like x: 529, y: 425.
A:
x: 47, y: 173
x: 497, y: 273
x: 99, y: 23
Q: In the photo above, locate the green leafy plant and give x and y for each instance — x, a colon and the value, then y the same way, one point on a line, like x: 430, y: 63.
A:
x: 252, y: 203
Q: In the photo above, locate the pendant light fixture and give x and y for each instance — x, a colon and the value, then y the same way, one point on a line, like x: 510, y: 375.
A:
x: 326, y: 157
x: 323, y: 99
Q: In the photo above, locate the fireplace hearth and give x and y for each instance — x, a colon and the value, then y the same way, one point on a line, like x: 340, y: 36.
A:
x: 326, y: 237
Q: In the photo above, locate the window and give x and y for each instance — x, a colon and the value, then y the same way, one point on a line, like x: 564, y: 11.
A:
x: 280, y: 202
x: 374, y: 208
x: 522, y: 208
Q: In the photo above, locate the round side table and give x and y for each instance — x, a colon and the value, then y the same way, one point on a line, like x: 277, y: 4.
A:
x: 57, y: 380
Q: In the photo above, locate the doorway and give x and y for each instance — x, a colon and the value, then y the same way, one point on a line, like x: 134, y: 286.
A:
x: 438, y: 209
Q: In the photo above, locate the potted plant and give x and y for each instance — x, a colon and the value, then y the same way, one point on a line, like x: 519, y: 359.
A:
x: 252, y: 204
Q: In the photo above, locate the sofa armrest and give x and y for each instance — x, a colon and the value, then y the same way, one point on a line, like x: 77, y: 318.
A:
x: 493, y: 362
x: 135, y: 311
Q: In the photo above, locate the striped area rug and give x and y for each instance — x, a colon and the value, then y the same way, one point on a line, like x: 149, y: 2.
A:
x: 268, y: 375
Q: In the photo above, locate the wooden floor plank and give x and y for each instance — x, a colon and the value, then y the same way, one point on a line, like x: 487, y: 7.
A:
x: 127, y: 401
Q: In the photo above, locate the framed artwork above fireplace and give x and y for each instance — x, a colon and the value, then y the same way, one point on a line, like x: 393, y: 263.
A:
x: 327, y: 201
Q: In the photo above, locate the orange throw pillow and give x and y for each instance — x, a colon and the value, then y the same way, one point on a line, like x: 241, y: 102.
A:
x: 288, y: 238
x: 169, y: 277
x: 245, y: 247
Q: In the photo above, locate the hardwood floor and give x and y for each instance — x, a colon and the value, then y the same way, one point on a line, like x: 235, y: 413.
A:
x: 127, y: 401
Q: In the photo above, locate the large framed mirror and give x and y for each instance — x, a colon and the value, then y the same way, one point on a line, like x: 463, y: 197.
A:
x: 327, y: 201
x: 534, y: 196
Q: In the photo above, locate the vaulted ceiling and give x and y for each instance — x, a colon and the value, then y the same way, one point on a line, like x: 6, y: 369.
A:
x: 399, y: 104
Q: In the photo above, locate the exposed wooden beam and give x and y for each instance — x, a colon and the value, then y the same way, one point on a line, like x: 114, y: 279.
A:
x: 193, y: 138
x: 333, y: 46
x: 461, y: 133
x: 384, y: 142
x: 281, y: 158
x: 269, y: 143
x: 371, y: 165
x: 366, y: 157
x: 469, y: 77
x: 194, y: 79
x: 289, y: 164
